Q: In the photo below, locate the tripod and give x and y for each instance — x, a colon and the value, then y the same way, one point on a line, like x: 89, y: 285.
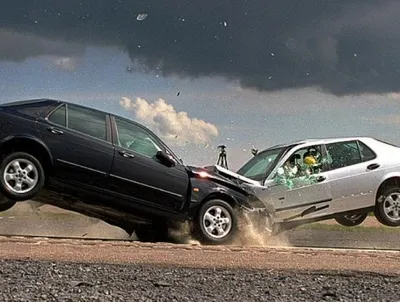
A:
x: 222, y: 157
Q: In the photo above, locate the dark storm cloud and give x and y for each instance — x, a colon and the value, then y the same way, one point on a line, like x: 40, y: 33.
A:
x: 18, y: 47
x: 343, y: 46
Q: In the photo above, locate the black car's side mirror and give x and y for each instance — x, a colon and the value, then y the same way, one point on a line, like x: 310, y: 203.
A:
x: 165, y: 159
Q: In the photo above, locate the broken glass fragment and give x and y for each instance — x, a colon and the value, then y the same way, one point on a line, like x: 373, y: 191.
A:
x: 141, y: 17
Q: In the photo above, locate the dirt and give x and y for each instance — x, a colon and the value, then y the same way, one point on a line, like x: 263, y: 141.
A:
x: 28, y: 219
x: 62, y: 270
x: 94, y: 270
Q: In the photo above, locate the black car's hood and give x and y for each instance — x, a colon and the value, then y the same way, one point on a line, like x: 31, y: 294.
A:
x: 223, y: 176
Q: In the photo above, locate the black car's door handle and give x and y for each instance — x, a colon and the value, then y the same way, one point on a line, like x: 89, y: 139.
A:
x: 321, y: 178
x: 373, y: 166
x: 55, y: 131
x: 126, y: 154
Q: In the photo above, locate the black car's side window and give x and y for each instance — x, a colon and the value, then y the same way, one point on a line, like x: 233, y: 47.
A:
x: 87, y: 121
x: 137, y: 139
x: 59, y: 116
x: 343, y: 154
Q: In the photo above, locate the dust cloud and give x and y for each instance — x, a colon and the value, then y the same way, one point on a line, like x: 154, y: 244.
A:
x: 32, y: 218
x: 248, y: 235
x: 252, y: 235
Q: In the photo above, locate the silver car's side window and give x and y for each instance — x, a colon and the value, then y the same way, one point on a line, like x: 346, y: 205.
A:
x: 305, y: 161
x: 302, y: 168
x: 366, y: 152
x: 343, y: 154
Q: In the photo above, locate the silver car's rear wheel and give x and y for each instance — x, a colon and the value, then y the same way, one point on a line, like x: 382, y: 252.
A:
x: 388, y: 207
x: 352, y: 219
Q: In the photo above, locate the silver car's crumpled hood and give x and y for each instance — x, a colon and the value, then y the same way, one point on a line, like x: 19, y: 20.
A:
x: 252, y: 187
x: 228, y: 173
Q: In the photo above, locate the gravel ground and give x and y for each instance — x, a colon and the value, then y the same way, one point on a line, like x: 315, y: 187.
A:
x: 49, y: 281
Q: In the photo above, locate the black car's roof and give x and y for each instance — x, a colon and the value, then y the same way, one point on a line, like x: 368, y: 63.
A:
x: 56, y: 101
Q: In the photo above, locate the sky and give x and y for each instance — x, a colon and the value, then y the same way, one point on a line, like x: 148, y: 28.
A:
x: 205, y: 73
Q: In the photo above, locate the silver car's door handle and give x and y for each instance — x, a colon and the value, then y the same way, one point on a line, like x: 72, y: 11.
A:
x: 373, y: 166
x: 126, y: 154
x: 321, y: 178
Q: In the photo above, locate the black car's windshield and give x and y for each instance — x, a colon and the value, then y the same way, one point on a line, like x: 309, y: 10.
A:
x: 261, y: 165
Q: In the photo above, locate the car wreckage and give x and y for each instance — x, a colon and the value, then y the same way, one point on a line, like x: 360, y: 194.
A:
x: 112, y: 168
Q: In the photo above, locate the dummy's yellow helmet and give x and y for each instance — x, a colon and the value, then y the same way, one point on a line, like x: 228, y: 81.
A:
x: 310, y: 160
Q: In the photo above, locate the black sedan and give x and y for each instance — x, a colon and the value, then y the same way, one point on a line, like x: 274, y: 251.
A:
x: 112, y: 168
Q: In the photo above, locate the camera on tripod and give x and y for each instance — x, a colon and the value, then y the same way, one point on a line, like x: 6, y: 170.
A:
x: 222, y: 157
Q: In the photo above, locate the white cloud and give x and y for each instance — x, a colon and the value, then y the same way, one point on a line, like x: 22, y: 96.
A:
x: 176, y: 127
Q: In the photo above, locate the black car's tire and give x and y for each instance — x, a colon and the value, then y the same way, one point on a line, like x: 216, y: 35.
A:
x: 219, y: 215
x: 352, y: 220
x: 30, y: 176
x: 387, y: 205
x: 6, y: 204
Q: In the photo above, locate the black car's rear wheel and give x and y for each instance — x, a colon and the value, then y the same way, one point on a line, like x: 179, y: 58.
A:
x: 22, y: 176
x: 351, y: 220
x: 387, y: 208
x: 216, y: 223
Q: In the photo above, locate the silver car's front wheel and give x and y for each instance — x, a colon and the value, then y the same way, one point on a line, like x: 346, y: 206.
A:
x: 388, y: 207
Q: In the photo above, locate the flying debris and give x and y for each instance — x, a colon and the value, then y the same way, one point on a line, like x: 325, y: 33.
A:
x: 141, y: 17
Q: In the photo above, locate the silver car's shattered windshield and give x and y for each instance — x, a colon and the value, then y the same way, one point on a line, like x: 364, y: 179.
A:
x: 261, y: 164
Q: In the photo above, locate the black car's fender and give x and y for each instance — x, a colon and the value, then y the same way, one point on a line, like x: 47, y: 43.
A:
x: 26, y: 142
x: 204, y: 189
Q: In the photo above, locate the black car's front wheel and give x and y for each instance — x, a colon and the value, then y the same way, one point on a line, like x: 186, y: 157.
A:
x: 216, y: 223
x: 22, y: 176
x: 351, y: 220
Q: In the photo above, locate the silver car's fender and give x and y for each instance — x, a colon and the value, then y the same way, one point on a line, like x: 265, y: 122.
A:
x: 385, y: 178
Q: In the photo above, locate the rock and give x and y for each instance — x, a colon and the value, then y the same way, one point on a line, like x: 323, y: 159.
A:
x: 161, y: 284
x: 80, y: 283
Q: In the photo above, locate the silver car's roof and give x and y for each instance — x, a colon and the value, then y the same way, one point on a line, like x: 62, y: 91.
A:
x: 318, y: 141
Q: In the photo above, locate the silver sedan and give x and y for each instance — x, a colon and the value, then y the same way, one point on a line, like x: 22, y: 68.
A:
x: 319, y: 179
